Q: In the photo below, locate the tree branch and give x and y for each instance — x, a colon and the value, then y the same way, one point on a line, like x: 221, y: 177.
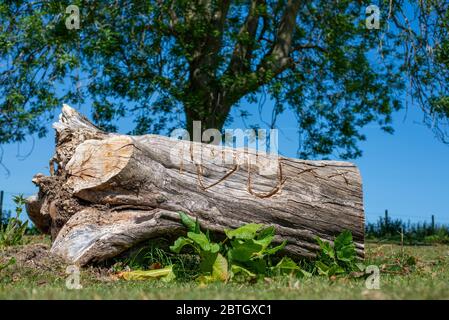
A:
x: 278, y: 58
x: 274, y: 62
x: 241, y: 57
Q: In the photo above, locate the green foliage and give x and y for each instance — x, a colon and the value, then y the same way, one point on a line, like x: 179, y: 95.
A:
x: 213, y: 266
x: 339, y: 258
x: 250, y: 248
x: 151, y: 61
x: 13, y: 232
x: 244, y: 254
x: 246, y: 232
x: 247, y: 254
x: 396, y: 230
x: 440, y: 107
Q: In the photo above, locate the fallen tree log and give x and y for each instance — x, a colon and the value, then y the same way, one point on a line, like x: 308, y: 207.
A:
x: 109, y: 192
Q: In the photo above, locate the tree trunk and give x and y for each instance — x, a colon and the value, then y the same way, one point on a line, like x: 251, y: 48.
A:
x: 212, y: 114
x: 108, y: 192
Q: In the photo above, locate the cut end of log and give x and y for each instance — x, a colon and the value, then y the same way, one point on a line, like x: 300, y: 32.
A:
x: 96, y: 161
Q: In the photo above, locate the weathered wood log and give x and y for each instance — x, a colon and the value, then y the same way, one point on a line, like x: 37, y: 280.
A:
x: 108, y: 192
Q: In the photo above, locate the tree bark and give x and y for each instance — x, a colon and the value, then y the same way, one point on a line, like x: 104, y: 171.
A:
x: 108, y: 192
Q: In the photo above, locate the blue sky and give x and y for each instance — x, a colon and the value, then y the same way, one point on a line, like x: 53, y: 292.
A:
x: 406, y: 173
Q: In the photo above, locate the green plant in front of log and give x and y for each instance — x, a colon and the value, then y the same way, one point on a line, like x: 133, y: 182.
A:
x: 245, y: 253
x: 249, y: 251
x: 339, y: 258
x: 13, y: 232
x: 213, y: 265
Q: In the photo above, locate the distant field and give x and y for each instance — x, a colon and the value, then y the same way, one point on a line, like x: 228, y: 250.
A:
x: 418, y: 272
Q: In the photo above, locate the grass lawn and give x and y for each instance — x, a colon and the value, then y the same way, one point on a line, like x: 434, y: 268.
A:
x: 418, y: 272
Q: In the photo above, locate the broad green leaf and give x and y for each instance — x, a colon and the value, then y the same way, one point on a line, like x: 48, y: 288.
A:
x: 220, y: 269
x: 166, y: 272
x: 266, y: 232
x: 244, y: 250
x: 214, y: 247
x: 200, y: 239
x: 342, y: 240
x: 180, y: 243
x: 248, y: 231
x: 276, y: 249
x: 188, y: 222
x: 207, y: 261
x: 258, y: 266
x: 346, y: 253
x: 264, y: 242
x: 170, y: 277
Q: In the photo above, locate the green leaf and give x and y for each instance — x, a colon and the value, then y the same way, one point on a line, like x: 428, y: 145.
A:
x: 346, y: 253
x: 180, y: 243
x: 258, y: 266
x: 264, y: 242
x: 246, y: 232
x: 170, y: 277
x: 244, y: 250
x: 305, y: 274
x: 205, y: 279
x: 188, y: 222
x: 214, y: 247
x: 266, y: 232
x: 276, y: 249
x: 342, y: 240
x: 200, y: 239
x: 220, y: 269
x: 344, y: 247
x: 207, y: 261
